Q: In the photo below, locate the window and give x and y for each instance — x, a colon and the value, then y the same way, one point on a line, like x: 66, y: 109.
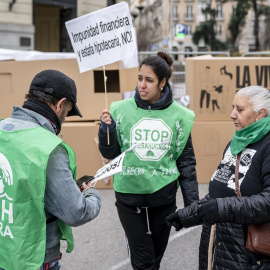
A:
x: 175, y: 12
x: 189, y: 14
x: 188, y: 30
x: 201, y: 7
x: 219, y: 12
x: 160, y: 12
x: 233, y: 9
x: 219, y: 30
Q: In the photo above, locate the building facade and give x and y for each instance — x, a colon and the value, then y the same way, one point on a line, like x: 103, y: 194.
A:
x: 171, y: 23
x: 40, y: 24
x: 160, y: 24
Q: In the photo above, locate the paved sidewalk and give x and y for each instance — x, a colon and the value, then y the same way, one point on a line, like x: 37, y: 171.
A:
x: 100, y: 244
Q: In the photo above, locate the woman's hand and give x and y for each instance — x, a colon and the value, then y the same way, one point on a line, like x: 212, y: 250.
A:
x: 208, y: 211
x: 106, y: 117
x: 174, y: 220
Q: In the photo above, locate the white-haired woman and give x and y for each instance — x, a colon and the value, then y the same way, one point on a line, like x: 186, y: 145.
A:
x: 232, y: 214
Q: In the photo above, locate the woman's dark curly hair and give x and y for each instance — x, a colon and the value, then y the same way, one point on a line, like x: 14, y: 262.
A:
x: 161, y: 65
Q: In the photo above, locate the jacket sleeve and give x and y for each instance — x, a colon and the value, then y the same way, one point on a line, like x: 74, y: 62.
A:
x: 186, y: 165
x: 63, y: 198
x: 245, y: 210
x: 253, y: 209
x: 188, y: 215
x: 111, y: 150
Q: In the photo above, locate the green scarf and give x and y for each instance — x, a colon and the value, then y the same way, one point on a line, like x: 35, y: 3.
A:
x: 250, y: 134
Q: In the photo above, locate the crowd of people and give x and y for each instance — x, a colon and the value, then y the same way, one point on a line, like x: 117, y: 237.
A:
x: 41, y: 201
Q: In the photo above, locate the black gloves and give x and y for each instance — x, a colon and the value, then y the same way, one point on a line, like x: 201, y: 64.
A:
x: 174, y: 220
x: 208, y: 211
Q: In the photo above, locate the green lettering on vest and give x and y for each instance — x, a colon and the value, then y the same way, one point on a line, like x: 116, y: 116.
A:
x: 22, y: 188
x: 162, y: 136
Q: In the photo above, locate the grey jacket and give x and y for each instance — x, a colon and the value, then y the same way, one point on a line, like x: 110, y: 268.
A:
x: 62, y: 196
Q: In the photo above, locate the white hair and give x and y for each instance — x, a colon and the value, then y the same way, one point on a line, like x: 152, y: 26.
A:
x: 258, y: 96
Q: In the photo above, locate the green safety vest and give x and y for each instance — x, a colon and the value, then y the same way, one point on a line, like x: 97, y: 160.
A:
x: 23, y: 160
x: 164, y: 133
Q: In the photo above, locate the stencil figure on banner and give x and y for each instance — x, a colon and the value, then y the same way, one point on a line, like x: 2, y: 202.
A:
x: 146, y: 188
x: 39, y: 198
x: 226, y: 217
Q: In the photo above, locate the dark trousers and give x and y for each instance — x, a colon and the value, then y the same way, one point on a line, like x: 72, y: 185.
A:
x: 146, y: 249
x: 203, y: 93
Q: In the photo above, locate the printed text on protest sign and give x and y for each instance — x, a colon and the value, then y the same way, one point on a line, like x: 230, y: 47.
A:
x: 103, y: 37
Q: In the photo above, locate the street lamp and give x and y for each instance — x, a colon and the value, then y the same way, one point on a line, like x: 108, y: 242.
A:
x: 140, y: 8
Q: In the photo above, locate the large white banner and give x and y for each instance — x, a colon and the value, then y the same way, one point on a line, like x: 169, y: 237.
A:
x: 103, y: 37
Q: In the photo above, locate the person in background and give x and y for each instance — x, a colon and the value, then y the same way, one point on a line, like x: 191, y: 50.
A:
x: 232, y: 214
x: 163, y: 160
x: 39, y: 197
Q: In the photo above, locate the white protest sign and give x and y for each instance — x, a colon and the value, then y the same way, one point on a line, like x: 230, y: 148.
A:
x: 103, y: 37
x: 113, y: 167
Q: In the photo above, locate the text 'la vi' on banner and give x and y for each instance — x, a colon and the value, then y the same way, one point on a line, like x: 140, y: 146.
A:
x: 103, y: 37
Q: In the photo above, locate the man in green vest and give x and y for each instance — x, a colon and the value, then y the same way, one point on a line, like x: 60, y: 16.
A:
x: 39, y: 199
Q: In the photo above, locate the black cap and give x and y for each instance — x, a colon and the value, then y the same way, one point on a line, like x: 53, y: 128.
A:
x: 57, y: 84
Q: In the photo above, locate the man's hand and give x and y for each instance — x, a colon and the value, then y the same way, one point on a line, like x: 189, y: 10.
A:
x: 85, y: 186
x: 84, y: 182
x: 208, y: 211
x: 174, y: 220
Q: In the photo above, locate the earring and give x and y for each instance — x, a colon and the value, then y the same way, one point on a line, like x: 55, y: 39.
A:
x: 161, y: 88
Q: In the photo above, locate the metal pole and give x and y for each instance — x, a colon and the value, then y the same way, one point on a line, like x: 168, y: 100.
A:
x: 189, y: 53
x: 255, y: 53
x: 171, y: 24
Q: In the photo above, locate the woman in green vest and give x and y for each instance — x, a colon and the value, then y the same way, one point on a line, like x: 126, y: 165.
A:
x: 164, y: 159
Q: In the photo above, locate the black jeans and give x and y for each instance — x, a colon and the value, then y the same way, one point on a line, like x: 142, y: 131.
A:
x: 146, y: 250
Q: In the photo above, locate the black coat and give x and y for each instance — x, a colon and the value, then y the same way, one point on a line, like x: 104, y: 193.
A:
x: 230, y: 252
x: 186, y: 164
